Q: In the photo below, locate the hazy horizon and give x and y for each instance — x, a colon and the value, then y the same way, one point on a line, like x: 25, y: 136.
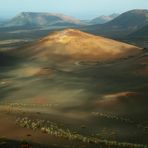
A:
x: 80, y: 9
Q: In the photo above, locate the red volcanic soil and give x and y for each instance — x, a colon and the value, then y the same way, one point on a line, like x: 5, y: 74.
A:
x: 16, y: 134
x: 10, y: 130
x: 81, y: 46
x: 113, y: 100
x: 39, y: 100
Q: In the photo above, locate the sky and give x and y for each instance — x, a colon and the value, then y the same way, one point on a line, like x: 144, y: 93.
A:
x: 81, y: 9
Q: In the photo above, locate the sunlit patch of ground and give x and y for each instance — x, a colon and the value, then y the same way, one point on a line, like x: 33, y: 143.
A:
x: 113, y: 99
x: 12, y: 41
x: 25, y: 71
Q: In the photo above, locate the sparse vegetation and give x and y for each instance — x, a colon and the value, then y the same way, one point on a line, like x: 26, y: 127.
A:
x: 122, y: 119
x: 29, y: 104
x: 53, y: 129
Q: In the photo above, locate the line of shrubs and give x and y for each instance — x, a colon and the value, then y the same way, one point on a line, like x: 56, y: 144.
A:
x: 122, y: 119
x: 52, y: 129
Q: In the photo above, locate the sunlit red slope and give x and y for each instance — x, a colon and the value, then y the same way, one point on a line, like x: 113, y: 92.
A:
x: 74, y: 44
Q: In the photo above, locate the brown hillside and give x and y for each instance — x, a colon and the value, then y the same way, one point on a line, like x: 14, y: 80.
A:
x: 74, y: 44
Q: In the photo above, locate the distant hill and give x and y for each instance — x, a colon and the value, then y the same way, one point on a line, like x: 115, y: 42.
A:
x: 103, y: 19
x: 131, y: 19
x: 41, y: 20
x: 72, y: 44
x: 121, y: 26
